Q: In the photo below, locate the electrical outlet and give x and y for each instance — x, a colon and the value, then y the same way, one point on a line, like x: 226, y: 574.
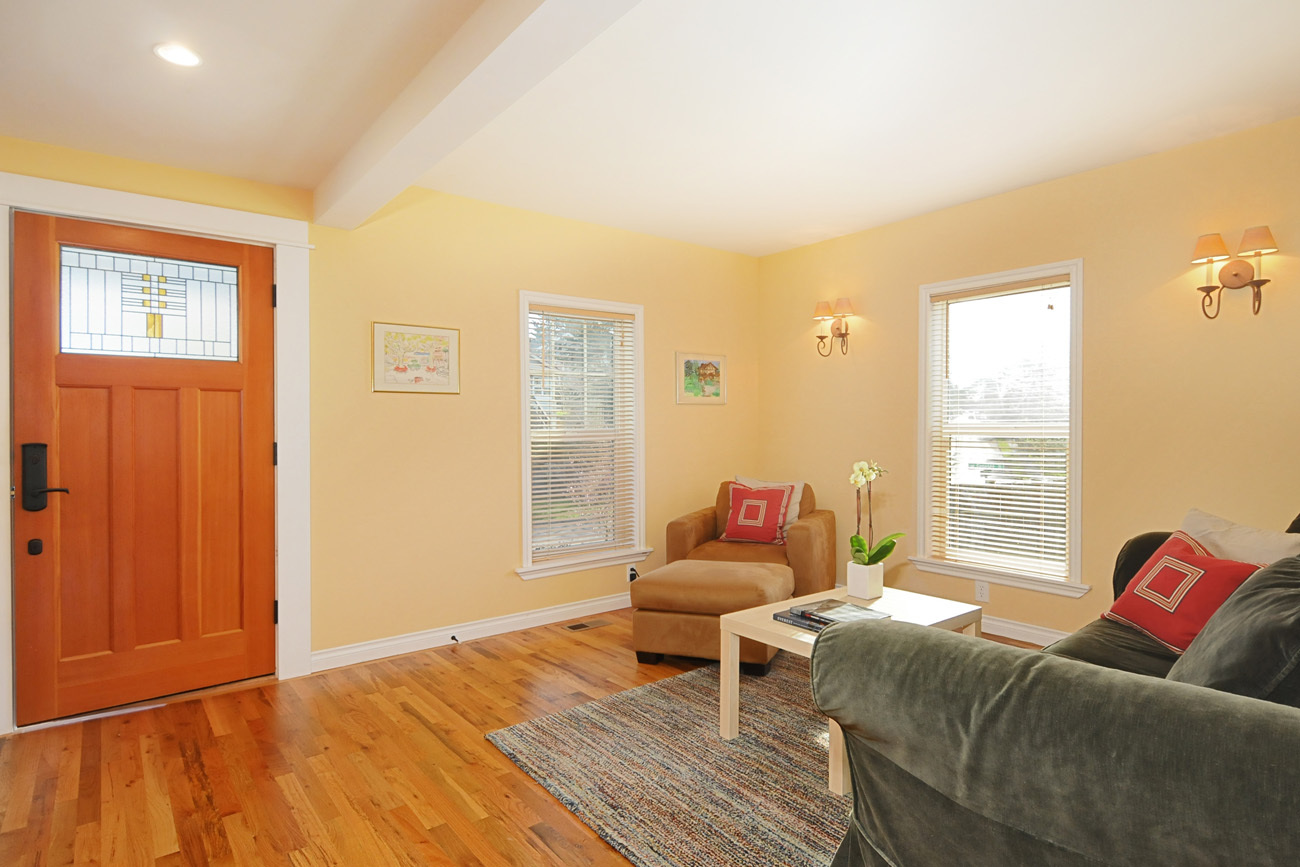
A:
x: 631, y: 573
x: 981, y: 591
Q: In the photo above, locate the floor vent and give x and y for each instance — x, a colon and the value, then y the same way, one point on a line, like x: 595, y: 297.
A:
x: 586, y: 624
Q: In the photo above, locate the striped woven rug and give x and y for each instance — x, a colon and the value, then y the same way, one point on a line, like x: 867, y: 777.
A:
x: 646, y: 770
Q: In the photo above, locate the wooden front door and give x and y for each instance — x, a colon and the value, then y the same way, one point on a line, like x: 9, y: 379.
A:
x: 143, y: 362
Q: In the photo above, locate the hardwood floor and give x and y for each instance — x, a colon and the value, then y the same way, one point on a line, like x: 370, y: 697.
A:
x: 383, y: 763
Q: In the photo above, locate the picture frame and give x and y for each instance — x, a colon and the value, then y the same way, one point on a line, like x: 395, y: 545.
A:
x: 701, y: 378
x: 414, y: 359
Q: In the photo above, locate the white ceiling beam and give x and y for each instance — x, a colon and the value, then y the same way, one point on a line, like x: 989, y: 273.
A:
x: 501, y: 52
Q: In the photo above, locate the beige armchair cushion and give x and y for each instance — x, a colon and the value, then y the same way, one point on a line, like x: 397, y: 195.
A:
x: 740, y: 552
x: 712, y: 588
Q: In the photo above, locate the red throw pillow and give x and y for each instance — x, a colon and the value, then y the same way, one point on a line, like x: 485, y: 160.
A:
x: 1174, y: 594
x: 758, y: 514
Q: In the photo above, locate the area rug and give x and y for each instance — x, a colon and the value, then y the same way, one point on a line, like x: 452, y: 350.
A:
x: 646, y: 770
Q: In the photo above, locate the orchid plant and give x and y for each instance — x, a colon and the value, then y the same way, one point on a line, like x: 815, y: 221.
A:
x: 868, y: 552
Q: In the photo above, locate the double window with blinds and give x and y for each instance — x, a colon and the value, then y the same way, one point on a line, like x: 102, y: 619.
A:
x: 583, y: 432
x: 999, y: 428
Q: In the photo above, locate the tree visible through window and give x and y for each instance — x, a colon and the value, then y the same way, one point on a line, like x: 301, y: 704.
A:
x: 998, y: 480
x: 582, y: 431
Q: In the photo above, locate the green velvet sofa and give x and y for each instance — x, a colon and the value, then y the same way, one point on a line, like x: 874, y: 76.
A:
x: 967, y: 752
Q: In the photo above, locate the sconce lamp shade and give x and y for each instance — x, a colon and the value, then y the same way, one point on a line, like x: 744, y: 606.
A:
x: 843, y: 307
x: 1209, y: 248
x: 823, y: 310
x: 1257, y: 240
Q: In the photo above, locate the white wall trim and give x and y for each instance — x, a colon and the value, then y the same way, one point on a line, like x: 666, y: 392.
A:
x: 995, y: 576
x: 368, y: 651
x: 1073, y: 268
x: 8, y: 721
x: 1021, y: 631
x: 113, y: 206
x: 292, y: 384
x: 559, y: 567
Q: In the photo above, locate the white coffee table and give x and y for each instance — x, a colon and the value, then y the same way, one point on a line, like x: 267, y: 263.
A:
x: 757, y: 623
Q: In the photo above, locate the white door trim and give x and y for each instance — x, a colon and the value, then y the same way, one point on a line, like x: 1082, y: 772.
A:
x: 292, y: 385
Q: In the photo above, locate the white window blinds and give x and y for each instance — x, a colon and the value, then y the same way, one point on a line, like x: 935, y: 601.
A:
x: 582, y: 431
x: 998, y: 428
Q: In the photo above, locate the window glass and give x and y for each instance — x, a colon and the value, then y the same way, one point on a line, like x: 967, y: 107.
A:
x: 999, y: 435
x: 582, y: 433
x: 124, y: 304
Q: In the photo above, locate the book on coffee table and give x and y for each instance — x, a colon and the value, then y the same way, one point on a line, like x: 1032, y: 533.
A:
x: 830, y: 611
x: 816, y: 616
x: 799, y: 620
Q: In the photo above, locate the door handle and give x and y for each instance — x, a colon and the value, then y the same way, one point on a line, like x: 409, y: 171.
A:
x: 35, y: 479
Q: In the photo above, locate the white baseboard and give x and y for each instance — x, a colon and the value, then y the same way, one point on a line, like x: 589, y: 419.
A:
x: 1021, y: 631
x: 368, y: 651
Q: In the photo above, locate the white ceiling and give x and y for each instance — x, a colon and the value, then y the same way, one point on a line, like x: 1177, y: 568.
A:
x: 747, y: 125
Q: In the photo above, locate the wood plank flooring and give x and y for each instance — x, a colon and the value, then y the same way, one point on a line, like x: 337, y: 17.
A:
x: 377, y: 764
x: 383, y: 763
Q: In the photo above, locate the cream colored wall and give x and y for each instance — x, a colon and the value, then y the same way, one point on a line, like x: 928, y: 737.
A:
x: 416, y: 499
x: 23, y: 157
x: 1178, y: 411
x: 380, y: 567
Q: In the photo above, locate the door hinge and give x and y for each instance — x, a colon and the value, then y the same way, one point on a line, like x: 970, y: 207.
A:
x: 273, y: 298
x: 275, y: 611
x: 275, y: 454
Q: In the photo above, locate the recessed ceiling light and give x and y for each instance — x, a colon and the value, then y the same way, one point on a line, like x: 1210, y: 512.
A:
x: 174, y: 52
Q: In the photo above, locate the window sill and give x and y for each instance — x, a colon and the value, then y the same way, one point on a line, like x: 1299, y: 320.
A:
x: 582, y: 563
x: 993, y: 576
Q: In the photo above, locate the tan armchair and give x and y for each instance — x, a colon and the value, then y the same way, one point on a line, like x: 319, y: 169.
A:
x: 677, y: 606
x: 809, y: 550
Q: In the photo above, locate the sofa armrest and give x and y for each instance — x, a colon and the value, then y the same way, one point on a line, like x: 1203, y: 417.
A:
x: 810, y: 548
x: 1030, y: 753
x: 689, y: 532
x: 1133, y: 555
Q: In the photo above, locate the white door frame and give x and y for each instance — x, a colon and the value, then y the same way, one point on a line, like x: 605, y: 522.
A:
x: 292, y: 385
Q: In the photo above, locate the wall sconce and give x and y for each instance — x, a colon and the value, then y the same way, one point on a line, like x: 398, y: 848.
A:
x: 839, y: 327
x: 1238, y: 273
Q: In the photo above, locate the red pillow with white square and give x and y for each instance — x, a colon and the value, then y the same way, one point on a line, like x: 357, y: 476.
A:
x: 758, y: 514
x: 1176, y: 592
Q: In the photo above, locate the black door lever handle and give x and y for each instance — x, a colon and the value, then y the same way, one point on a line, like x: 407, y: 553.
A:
x: 35, y: 480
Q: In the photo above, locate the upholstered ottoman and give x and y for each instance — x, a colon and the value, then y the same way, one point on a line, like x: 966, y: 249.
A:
x: 677, y: 608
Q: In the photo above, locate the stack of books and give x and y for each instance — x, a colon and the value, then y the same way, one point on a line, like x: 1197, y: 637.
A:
x: 816, y: 616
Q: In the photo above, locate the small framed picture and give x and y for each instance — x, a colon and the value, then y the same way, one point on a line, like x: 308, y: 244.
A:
x: 701, y: 378
x: 415, y: 358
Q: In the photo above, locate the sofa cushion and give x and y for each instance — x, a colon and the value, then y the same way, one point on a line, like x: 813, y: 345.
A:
x: 1229, y: 541
x: 712, y: 587
x: 758, y: 514
x: 1177, y: 591
x: 1116, y: 645
x: 1251, y: 646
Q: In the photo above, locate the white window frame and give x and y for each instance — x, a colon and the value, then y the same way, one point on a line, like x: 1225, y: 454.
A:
x: 594, y: 560
x: 1073, y: 586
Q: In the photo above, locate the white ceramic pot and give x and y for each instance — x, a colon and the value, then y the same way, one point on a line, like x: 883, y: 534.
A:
x: 866, y: 582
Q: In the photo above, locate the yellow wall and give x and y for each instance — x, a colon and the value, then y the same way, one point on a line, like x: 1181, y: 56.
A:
x: 21, y: 157
x: 1178, y: 411
x: 416, y: 499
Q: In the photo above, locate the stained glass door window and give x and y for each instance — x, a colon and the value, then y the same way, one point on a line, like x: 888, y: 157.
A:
x: 125, y: 304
